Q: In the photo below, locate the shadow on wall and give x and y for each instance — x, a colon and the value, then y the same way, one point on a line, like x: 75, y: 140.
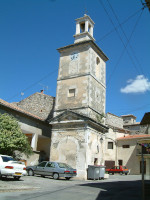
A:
x: 51, y: 114
x: 133, y: 163
x: 131, y: 190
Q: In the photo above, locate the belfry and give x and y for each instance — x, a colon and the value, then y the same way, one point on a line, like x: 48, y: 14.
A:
x: 80, y: 101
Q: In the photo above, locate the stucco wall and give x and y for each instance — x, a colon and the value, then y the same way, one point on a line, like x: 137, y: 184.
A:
x: 86, y: 76
x: 129, y: 155
x: 77, y: 147
x: 111, y: 154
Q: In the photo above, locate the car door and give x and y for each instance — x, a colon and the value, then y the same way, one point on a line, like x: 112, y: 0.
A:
x: 112, y: 170
x: 49, y: 169
x: 118, y: 170
x: 40, y: 168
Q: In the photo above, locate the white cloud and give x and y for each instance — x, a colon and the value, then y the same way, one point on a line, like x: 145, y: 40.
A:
x: 139, y: 85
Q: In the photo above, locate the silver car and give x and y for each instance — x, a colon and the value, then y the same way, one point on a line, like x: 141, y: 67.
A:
x: 54, y: 169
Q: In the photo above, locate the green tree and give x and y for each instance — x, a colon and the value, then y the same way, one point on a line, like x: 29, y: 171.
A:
x: 12, y: 141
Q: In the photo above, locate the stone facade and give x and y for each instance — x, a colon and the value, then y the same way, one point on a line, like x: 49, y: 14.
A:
x: 76, y: 141
x: 39, y: 104
x: 114, y: 121
x: 86, y: 76
x: 129, y: 123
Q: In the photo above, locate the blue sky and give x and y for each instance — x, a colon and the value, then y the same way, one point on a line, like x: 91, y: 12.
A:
x: 32, y: 30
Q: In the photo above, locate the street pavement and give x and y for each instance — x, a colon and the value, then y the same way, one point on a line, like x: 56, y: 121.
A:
x: 30, y: 188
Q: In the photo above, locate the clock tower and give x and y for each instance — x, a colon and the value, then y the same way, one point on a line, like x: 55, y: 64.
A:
x: 77, y: 125
x: 81, y: 85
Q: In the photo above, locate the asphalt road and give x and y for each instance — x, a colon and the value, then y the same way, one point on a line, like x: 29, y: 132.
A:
x: 37, y: 188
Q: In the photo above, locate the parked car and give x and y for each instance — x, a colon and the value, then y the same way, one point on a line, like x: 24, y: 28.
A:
x: 54, y: 169
x: 118, y: 169
x: 10, y: 167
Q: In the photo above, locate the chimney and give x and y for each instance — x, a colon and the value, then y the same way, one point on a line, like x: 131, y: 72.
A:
x: 42, y: 91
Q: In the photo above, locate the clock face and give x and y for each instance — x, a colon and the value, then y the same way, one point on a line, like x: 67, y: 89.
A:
x: 74, y: 56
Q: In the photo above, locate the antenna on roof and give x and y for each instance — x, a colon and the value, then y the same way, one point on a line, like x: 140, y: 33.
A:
x: 22, y: 95
x: 85, y: 7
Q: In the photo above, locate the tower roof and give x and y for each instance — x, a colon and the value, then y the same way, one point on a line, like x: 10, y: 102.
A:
x: 88, y: 42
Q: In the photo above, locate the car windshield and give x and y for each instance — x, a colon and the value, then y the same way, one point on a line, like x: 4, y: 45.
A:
x: 63, y: 165
x: 7, y: 159
x: 124, y: 167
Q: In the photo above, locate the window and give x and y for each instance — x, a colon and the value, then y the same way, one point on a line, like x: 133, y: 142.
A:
x: 110, y: 145
x: 120, y: 162
x: 97, y: 60
x: 6, y: 159
x: 52, y: 165
x: 71, y: 93
x: 63, y: 165
x: 95, y: 161
x: 42, y: 164
x: 126, y: 146
x: 97, y: 72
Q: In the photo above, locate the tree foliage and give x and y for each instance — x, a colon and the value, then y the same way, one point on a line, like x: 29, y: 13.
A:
x: 12, y: 139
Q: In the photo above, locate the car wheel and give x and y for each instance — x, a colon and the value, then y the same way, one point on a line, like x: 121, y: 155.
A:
x: 121, y: 173
x: 68, y: 178
x: 56, y: 176
x: 126, y: 173
x: 16, y: 178
x: 30, y: 172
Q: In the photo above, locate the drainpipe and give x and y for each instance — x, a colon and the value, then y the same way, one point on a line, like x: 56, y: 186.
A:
x: 143, y: 188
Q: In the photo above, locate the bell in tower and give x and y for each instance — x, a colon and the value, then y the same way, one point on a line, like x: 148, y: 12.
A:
x: 84, y: 29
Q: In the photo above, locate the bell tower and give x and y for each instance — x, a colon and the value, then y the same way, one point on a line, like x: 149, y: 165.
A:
x: 84, y: 29
x: 81, y: 85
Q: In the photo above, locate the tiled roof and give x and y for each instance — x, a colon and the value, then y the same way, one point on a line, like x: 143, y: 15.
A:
x: 113, y: 115
x: 129, y: 115
x: 12, y: 106
x: 134, y: 137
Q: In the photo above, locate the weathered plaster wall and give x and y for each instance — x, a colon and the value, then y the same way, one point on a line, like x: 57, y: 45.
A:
x: 111, y: 154
x: 76, y: 147
x: 129, y: 155
x: 69, y: 147
x: 80, y: 98
x: 86, y: 75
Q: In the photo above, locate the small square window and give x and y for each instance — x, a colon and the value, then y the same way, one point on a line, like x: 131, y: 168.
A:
x: 110, y: 145
x: 126, y: 146
x: 71, y: 93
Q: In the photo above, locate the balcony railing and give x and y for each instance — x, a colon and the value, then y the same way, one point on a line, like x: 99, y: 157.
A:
x: 145, y: 152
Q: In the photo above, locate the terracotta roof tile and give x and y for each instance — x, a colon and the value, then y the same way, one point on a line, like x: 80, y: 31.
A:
x: 12, y: 106
x: 134, y: 137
